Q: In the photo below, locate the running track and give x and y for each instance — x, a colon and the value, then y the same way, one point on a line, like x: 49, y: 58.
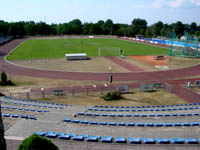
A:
x: 130, y: 76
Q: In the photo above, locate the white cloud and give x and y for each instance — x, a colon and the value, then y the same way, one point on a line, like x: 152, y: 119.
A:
x: 176, y: 3
x: 196, y: 2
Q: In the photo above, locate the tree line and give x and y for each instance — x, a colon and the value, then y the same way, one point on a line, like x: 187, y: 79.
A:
x: 76, y: 27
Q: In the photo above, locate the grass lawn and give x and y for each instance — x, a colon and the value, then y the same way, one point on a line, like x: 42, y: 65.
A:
x: 57, y: 48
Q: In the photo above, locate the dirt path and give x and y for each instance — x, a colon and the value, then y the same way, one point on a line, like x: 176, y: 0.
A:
x: 124, y: 64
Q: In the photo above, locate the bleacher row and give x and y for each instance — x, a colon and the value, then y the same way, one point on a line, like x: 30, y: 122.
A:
x: 23, y: 109
x: 138, y: 115
x: 33, y: 101
x: 153, y: 106
x: 110, y: 139
x: 131, y: 124
x: 139, y: 110
x: 18, y: 116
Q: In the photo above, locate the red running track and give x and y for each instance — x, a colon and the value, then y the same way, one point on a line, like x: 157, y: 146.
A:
x: 131, y: 76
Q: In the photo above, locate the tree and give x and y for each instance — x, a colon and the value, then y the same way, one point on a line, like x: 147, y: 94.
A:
x: 138, y: 27
x: 108, y: 27
x: 193, y: 28
x: 86, y: 28
x: 75, y: 26
x: 149, y: 32
x: 2, y: 140
x: 36, y: 142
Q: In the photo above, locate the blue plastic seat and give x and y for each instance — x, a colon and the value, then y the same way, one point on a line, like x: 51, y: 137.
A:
x: 128, y: 115
x: 194, y: 124
x: 188, y: 114
x: 80, y: 113
x: 104, y: 115
x: 51, y: 135
x: 24, y: 116
x: 39, y: 110
x: 32, y: 117
x: 167, y: 115
x: 158, y: 124
x: 151, y: 115
x: 102, y: 123
x: 195, y: 114
x: 120, y: 140
x: 92, y: 139
x: 40, y: 133
x: 15, y: 116
x: 167, y: 124
x: 106, y: 139
x: 78, y: 138
x: 33, y: 110
x: 112, y: 115
x: 120, y: 110
x: 163, y: 141
x: 176, y: 124
x: 88, y: 114
x: 96, y: 114
x: 93, y: 122
x: 84, y: 122
x: 111, y: 123
x: 130, y: 124
x: 121, y: 124
x: 60, y: 133
x: 159, y: 115
x: 120, y: 115
x: 191, y: 141
x: 67, y: 120
x: 181, y: 114
x: 149, y: 124
x: 148, y: 141
x: 185, y: 124
x: 174, y: 115
x: 75, y: 121
x: 139, y: 124
x: 134, y: 140
x: 136, y: 115
x: 177, y: 141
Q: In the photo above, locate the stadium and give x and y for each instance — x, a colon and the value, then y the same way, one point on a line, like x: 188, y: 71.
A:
x: 172, y: 121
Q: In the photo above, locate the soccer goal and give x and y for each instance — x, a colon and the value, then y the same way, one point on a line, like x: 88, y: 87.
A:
x: 113, y: 51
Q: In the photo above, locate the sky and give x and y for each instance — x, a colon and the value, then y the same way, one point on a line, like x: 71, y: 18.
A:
x: 120, y: 11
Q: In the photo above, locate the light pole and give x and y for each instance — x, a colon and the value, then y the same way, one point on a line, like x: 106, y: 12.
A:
x: 110, y: 78
x: 42, y: 90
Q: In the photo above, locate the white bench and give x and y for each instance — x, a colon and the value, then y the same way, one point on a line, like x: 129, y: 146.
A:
x: 76, y: 56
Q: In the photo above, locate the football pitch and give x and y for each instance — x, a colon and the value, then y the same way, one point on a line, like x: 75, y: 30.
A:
x: 57, y: 48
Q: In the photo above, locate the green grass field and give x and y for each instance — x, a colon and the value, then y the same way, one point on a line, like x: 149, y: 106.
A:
x: 57, y: 48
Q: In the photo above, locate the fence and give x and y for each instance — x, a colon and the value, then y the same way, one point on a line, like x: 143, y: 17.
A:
x: 84, y: 90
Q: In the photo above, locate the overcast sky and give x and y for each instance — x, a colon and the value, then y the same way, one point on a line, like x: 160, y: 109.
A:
x: 120, y: 11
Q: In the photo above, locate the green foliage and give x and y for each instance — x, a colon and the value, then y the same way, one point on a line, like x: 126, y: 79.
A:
x: 57, y: 48
x: 4, y: 81
x: 112, y: 96
x: 36, y: 142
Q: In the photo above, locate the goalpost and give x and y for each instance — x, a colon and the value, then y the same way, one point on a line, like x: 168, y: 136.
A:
x: 113, y: 51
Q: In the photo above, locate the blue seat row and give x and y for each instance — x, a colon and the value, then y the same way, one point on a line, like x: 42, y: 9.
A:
x: 110, y: 139
x: 152, y: 106
x: 33, y: 101
x: 18, y: 116
x: 138, y: 124
x: 139, y: 110
x: 34, y: 105
x: 137, y: 115
x: 23, y: 109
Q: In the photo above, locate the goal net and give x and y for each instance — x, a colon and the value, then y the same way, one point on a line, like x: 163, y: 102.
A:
x: 113, y: 51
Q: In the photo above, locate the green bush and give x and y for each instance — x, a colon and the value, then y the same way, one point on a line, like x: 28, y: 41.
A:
x: 4, y: 80
x: 112, y: 96
x: 36, y: 142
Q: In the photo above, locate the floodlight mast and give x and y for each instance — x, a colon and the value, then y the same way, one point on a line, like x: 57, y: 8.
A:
x: 110, y: 78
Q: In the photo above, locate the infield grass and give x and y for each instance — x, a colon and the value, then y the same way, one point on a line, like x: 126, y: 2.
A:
x: 57, y: 48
